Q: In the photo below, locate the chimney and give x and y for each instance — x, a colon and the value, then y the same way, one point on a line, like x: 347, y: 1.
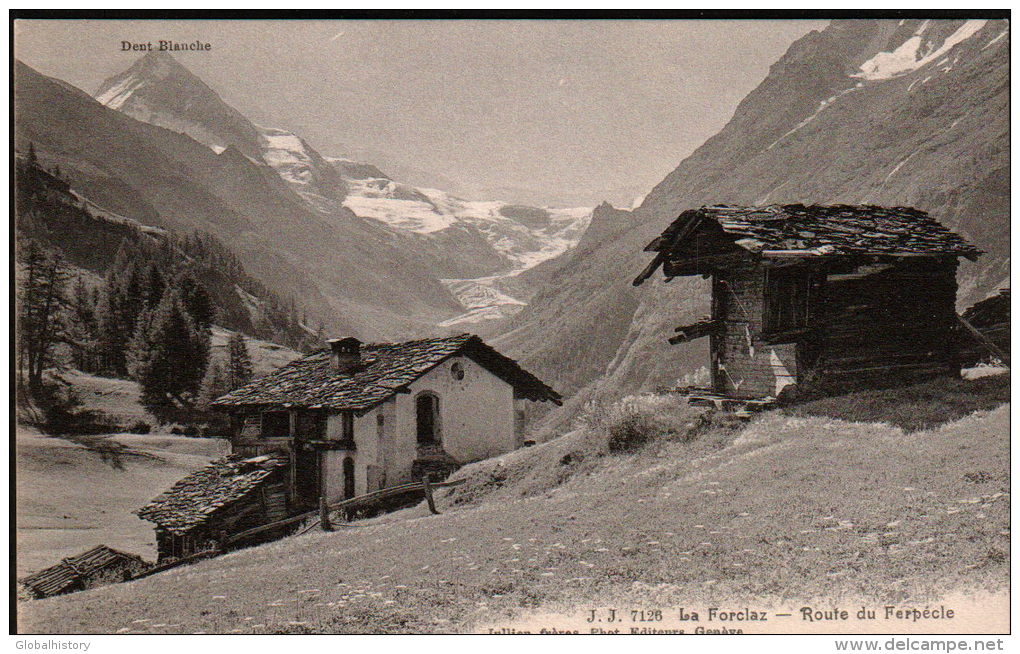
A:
x: 345, y: 353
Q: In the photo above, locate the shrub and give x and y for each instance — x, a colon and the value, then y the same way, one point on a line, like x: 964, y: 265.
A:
x: 638, y: 419
x: 140, y: 427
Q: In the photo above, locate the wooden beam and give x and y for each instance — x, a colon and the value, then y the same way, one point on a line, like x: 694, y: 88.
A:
x: 705, y: 264
x: 697, y: 330
x: 681, y: 234
x: 428, y: 494
x: 984, y: 340
x: 785, y: 336
x: 324, y: 514
x: 649, y: 269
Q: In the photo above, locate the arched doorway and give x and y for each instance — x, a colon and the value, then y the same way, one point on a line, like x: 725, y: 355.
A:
x: 348, y: 478
x: 427, y: 412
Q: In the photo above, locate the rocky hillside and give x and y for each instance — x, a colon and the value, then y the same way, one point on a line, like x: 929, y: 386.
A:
x: 900, y: 113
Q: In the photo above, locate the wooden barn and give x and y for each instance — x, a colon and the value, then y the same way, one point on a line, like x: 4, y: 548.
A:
x: 342, y: 422
x: 229, y: 495
x: 818, y: 300
x: 96, y: 567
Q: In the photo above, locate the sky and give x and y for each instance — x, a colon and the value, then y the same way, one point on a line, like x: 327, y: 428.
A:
x: 566, y: 111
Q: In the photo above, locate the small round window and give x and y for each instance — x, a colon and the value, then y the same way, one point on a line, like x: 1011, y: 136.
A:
x: 457, y: 370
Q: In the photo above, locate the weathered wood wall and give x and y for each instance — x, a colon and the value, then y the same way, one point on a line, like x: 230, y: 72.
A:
x: 743, y: 364
x: 890, y: 327
x: 869, y: 324
x: 266, y: 505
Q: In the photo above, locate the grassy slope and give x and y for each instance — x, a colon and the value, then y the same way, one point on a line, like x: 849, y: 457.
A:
x: 72, y: 496
x: 788, y: 507
x: 265, y: 356
x: 119, y: 398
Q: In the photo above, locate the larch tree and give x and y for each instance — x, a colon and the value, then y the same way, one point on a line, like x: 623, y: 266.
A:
x: 215, y: 383
x: 83, y: 326
x: 195, y: 300
x: 41, y: 300
x: 123, y: 302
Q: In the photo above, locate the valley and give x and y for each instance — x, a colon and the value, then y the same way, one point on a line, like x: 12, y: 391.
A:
x: 464, y: 242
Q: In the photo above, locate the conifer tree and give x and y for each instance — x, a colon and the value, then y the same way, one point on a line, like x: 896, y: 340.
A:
x: 196, y: 300
x: 168, y: 356
x: 83, y: 326
x: 239, y: 368
x: 215, y: 383
x: 123, y: 302
x: 154, y: 286
x: 41, y: 300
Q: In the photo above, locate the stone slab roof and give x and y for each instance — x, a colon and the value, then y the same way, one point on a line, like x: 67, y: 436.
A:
x: 385, y: 369
x: 73, y: 570
x: 815, y: 230
x: 193, y: 500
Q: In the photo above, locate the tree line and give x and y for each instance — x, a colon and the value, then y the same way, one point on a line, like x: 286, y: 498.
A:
x: 49, y: 212
x: 149, y: 320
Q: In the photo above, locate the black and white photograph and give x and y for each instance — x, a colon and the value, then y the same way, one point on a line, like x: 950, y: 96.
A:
x: 452, y: 323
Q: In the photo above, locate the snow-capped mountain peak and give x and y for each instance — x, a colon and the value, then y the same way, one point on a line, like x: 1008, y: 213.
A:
x: 298, y: 164
x: 466, y: 237
x: 525, y: 235
x: 157, y: 89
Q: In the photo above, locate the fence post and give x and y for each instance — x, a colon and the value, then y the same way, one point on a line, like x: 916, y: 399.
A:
x: 324, y: 514
x: 428, y: 493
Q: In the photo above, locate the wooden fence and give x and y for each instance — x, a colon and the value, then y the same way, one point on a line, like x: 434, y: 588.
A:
x: 320, y: 517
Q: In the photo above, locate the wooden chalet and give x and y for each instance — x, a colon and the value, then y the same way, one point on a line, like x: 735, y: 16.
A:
x: 96, y: 567
x: 817, y: 300
x: 345, y: 421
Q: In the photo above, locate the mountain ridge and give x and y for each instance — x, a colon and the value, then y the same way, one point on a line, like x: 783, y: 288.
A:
x: 465, y: 242
x: 933, y: 135
x: 164, y: 178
